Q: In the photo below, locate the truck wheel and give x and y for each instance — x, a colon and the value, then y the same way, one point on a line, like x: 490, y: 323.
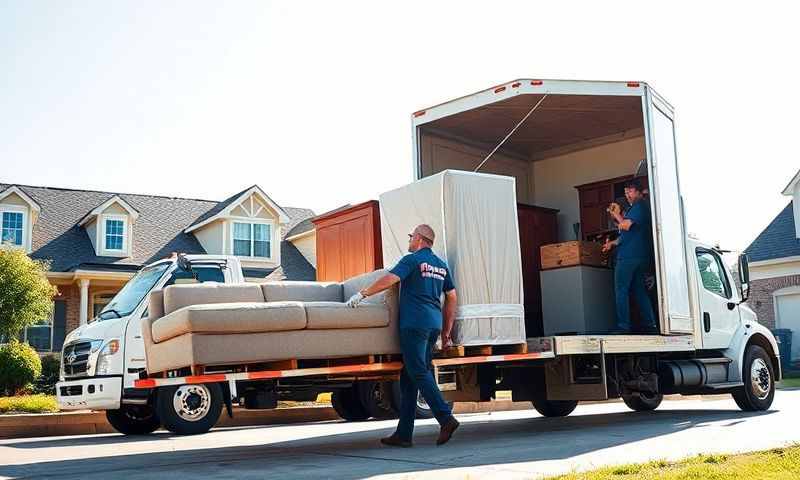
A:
x: 347, y: 404
x: 134, y: 419
x: 759, y: 381
x: 373, y: 397
x: 643, y: 402
x: 423, y: 410
x: 554, y: 408
x: 189, y: 409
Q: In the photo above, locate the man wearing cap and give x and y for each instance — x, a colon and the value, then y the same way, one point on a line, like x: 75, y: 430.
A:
x: 423, y: 278
x: 634, y: 256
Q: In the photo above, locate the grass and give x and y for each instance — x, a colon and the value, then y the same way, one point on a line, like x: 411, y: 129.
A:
x: 28, y: 404
x: 789, y: 383
x: 775, y: 464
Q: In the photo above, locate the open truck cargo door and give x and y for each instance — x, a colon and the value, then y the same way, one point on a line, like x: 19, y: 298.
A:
x: 670, y: 241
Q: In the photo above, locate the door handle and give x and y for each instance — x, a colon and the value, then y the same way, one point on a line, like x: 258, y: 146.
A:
x: 706, y: 322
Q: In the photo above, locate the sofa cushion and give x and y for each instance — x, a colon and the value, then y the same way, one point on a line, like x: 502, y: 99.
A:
x: 227, y: 318
x: 360, y: 282
x: 302, y: 291
x: 179, y: 296
x: 333, y: 315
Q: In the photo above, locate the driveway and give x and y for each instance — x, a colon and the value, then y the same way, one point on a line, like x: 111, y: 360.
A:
x: 518, y: 444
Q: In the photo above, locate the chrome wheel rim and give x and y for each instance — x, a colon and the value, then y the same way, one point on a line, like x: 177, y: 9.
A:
x: 192, y: 402
x: 760, y: 379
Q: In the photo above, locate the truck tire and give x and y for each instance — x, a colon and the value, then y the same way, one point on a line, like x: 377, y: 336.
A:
x: 348, y: 405
x: 373, y: 398
x: 758, y: 377
x: 189, y: 409
x: 554, y: 408
x: 134, y: 419
x: 423, y: 411
x: 643, y: 402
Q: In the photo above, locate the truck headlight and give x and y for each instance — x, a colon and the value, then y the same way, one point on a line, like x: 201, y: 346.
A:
x: 103, y: 365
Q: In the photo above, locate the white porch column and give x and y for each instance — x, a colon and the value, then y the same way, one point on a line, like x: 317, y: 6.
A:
x: 84, y: 311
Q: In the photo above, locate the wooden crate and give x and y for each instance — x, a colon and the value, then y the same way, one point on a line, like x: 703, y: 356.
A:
x: 567, y: 254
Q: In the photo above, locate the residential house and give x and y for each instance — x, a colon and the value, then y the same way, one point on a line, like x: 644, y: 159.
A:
x: 775, y: 269
x: 96, y: 241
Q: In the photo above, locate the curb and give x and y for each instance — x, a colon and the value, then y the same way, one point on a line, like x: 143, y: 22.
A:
x: 90, y: 422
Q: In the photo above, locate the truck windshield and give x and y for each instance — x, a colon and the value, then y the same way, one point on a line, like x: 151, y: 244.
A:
x: 133, y: 292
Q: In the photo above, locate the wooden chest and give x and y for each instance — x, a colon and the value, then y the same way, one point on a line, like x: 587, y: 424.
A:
x: 565, y: 254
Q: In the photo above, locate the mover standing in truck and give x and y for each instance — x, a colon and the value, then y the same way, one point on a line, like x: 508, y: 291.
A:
x: 634, y: 256
x: 423, y: 277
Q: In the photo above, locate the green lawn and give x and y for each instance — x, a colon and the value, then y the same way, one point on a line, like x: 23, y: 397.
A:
x: 789, y: 382
x: 776, y: 464
x: 28, y: 404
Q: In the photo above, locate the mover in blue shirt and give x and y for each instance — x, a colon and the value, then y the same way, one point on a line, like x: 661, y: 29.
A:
x: 634, y: 256
x: 423, y: 278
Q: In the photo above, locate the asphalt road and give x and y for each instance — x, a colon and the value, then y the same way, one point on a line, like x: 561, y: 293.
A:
x: 504, y: 445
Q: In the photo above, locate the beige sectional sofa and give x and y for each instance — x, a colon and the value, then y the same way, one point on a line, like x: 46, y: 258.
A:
x: 222, y: 324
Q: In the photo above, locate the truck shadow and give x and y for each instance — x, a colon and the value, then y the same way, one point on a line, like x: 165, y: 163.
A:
x: 358, y: 454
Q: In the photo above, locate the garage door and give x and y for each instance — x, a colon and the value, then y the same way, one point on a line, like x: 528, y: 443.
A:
x: 789, y: 317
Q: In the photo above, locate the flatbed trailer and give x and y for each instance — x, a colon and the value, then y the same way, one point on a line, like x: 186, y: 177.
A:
x: 553, y: 135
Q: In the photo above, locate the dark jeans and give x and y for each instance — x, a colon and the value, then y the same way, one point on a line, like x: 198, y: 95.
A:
x: 629, y: 276
x: 417, y: 376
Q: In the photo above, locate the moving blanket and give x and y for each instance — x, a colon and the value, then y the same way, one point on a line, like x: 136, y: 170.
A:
x: 474, y: 216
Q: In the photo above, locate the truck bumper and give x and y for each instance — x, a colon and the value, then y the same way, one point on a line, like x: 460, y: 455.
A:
x: 103, y: 393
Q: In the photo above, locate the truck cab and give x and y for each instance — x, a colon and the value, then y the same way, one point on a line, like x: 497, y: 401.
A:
x: 101, y: 360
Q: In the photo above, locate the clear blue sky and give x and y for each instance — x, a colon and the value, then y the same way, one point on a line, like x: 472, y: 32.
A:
x: 312, y: 101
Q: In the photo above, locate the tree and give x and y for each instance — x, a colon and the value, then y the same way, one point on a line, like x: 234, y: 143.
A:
x: 26, y: 297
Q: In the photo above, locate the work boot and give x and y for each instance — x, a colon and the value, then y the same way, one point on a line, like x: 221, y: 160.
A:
x: 447, y: 431
x: 395, y: 441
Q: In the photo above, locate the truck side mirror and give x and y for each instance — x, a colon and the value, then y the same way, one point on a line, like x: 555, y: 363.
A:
x: 744, y: 276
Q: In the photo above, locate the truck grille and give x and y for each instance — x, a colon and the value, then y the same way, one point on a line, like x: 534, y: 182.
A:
x: 76, y: 359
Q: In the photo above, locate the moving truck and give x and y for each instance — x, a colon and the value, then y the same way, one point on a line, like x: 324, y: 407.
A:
x: 549, y: 136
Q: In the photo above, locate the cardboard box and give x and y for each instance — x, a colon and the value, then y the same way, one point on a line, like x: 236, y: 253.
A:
x: 567, y: 254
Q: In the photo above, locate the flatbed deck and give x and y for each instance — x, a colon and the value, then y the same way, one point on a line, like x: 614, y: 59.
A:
x: 355, y: 370
x: 589, y: 344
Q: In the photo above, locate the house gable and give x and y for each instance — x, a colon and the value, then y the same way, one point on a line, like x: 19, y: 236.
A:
x: 247, y: 225
x: 110, y: 227
x: 18, y: 214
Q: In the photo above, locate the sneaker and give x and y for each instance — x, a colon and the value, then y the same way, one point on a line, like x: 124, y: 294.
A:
x: 396, y: 441
x: 447, y: 431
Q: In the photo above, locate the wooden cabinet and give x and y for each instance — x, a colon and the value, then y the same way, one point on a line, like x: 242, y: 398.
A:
x: 348, y: 242
x: 537, y: 226
x: 594, y: 199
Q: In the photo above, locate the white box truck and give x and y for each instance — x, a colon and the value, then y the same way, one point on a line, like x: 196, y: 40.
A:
x: 549, y: 135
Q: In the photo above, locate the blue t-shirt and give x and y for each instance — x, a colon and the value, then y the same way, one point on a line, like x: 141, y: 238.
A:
x: 423, y: 278
x: 636, y: 242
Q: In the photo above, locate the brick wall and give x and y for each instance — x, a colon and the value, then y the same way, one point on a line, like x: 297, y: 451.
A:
x: 761, y: 300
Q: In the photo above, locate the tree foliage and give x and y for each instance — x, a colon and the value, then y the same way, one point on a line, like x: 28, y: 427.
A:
x: 26, y: 297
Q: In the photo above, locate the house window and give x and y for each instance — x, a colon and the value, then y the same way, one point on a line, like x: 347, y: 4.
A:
x: 12, y: 232
x: 115, y: 234
x: 252, y: 240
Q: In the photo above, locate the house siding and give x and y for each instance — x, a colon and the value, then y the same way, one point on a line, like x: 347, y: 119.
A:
x: 761, y: 299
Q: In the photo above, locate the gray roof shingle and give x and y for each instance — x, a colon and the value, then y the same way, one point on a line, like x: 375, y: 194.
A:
x: 157, y: 232
x: 778, y: 240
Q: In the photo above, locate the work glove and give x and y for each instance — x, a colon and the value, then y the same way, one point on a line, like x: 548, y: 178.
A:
x: 355, y: 300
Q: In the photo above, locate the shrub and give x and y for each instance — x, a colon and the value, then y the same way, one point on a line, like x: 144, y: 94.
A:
x: 46, y: 383
x: 19, y: 366
x: 26, y: 297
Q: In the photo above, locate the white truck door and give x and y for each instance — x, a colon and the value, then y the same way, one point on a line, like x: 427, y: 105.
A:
x: 670, y: 245
x: 719, y: 304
